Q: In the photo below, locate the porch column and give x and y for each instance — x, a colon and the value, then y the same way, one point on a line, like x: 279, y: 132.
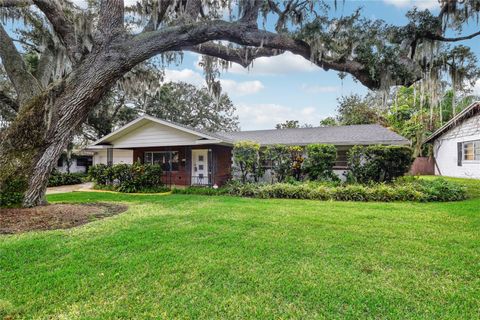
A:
x: 109, y: 156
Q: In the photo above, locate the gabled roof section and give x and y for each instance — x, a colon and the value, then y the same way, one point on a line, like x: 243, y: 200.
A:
x: 466, y: 113
x: 339, y: 135
x: 141, y: 121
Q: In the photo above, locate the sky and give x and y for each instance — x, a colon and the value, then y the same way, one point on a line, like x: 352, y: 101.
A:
x: 288, y: 87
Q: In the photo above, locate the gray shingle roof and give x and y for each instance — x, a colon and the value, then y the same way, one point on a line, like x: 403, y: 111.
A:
x: 340, y: 135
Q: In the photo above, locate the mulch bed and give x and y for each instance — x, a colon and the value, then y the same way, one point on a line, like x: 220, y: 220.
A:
x: 54, y: 216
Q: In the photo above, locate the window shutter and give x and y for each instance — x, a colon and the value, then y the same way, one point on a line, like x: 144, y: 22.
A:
x: 459, y: 153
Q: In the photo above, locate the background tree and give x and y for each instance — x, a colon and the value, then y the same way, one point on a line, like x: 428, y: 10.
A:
x: 81, y: 54
x: 328, y: 122
x: 292, y: 124
x: 354, y: 109
x: 196, y: 107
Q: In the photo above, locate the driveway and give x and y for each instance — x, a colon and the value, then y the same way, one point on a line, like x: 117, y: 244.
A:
x: 74, y: 187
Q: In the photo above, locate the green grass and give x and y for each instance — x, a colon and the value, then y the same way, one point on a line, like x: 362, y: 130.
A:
x: 204, y: 257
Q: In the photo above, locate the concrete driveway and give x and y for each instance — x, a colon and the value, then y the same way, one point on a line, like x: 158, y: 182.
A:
x: 74, y: 187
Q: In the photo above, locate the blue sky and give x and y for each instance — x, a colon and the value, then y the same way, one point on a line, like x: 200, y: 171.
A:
x: 289, y: 87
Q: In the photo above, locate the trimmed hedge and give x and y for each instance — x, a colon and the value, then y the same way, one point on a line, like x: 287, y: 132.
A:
x: 378, y: 163
x: 403, y: 190
x: 63, y: 179
x: 127, y: 178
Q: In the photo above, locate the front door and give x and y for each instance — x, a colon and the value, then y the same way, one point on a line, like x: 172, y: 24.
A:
x: 200, y: 167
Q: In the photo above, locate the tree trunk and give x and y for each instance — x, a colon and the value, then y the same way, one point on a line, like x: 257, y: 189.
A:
x: 63, y: 109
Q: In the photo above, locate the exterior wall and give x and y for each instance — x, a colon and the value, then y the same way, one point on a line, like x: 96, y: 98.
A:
x: 154, y: 134
x: 119, y: 156
x: 73, y: 168
x: 221, y: 163
x: 445, y: 150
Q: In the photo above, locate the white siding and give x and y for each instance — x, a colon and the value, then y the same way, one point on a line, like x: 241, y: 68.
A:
x: 446, y: 155
x: 153, y: 135
x: 119, y: 156
x: 73, y: 168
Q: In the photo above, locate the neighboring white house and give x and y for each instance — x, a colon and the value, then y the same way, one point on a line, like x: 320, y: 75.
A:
x: 80, y: 162
x: 456, y: 145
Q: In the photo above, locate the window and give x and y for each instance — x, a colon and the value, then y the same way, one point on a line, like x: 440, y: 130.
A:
x: 82, y: 161
x: 471, y: 150
x: 167, y: 159
x: 60, y: 162
x: 200, y: 158
x: 342, y: 159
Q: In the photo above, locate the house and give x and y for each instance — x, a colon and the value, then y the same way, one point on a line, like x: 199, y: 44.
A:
x: 79, y: 162
x: 194, y: 157
x: 456, y: 145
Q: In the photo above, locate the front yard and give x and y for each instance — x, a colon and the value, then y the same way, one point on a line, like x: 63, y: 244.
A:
x: 188, y: 256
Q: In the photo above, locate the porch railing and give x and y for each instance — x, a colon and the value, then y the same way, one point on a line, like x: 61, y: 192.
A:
x: 201, y: 181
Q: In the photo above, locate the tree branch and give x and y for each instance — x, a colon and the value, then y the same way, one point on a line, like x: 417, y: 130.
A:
x: 62, y: 26
x: 454, y: 39
x: 23, y: 81
x: 242, y: 56
x: 184, y: 37
x: 15, y: 3
x: 111, y: 20
x: 8, y: 101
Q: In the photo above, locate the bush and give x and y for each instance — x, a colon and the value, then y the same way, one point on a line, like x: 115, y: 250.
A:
x: 12, y: 193
x: 320, y: 161
x: 128, y: 178
x: 280, y: 159
x: 401, y: 190
x: 246, y: 155
x: 378, y: 163
x: 63, y: 179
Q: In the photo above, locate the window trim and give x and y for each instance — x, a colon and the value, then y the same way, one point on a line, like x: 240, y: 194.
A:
x: 164, y: 152
x: 476, y: 157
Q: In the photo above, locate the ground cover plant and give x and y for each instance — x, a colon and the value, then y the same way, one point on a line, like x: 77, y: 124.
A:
x: 199, y: 257
x: 404, y: 189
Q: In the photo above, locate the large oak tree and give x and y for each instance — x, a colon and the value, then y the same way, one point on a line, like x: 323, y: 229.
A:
x: 81, y: 53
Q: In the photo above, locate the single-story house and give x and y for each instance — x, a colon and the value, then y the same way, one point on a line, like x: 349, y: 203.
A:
x: 79, y: 163
x: 456, y: 145
x: 194, y: 157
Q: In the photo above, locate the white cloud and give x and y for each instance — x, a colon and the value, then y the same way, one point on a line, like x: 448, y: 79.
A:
x: 282, y: 64
x: 320, y: 89
x: 421, y: 4
x: 476, y: 88
x: 184, y: 75
x: 266, y: 116
x: 233, y: 87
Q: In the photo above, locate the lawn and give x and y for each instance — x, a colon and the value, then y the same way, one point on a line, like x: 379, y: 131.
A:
x: 200, y: 257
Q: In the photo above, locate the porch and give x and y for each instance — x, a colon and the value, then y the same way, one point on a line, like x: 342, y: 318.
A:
x: 198, y: 165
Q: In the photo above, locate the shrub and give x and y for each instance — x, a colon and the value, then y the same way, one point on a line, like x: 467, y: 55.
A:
x: 378, y: 163
x: 246, y: 155
x: 62, y: 179
x: 11, y: 195
x: 128, y: 178
x: 280, y: 159
x: 401, y: 190
x: 320, y: 161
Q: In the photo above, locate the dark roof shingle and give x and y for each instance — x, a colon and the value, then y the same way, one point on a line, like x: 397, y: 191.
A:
x: 340, y: 135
